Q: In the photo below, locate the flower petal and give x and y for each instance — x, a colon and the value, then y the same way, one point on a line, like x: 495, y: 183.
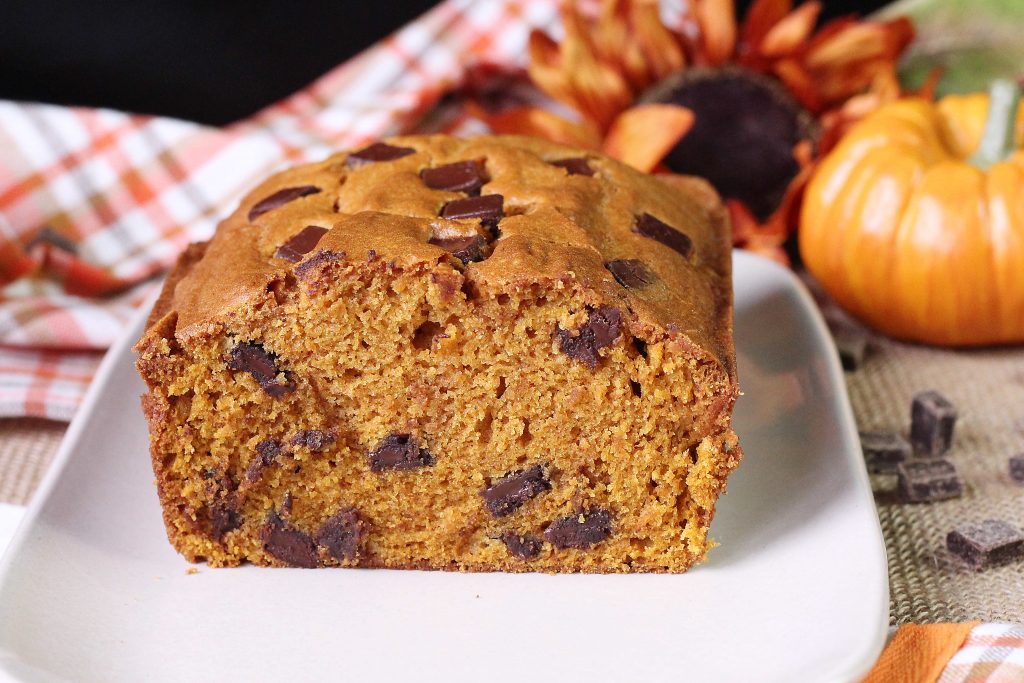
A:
x: 599, y: 89
x: 790, y: 33
x: 860, y: 41
x: 799, y: 83
x: 717, y: 19
x: 662, y: 49
x: 642, y: 135
x: 546, y: 69
x: 759, y: 20
x: 538, y: 123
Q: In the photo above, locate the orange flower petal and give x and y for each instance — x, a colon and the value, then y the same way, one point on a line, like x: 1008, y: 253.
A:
x: 860, y: 41
x: 799, y: 83
x: 662, y: 49
x: 642, y: 135
x: 600, y: 90
x: 760, y: 18
x: 538, y: 123
x: 546, y: 70
x: 790, y: 33
x: 717, y: 19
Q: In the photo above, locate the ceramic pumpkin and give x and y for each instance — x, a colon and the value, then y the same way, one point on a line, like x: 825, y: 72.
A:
x: 915, y: 221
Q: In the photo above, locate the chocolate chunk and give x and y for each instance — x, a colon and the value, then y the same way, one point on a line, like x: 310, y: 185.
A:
x: 649, y: 226
x: 992, y: 542
x: 883, y: 451
x: 253, y: 358
x: 489, y: 208
x: 932, y: 418
x: 301, y: 243
x: 466, y: 249
x: 507, y: 494
x: 630, y: 273
x: 342, y: 535
x: 575, y: 166
x: 462, y: 176
x: 399, y: 452
x: 926, y: 481
x: 280, y: 198
x: 266, y: 453
x: 378, y: 151
x: 1017, y: 468
x: 288, y: 544
x: 603, y: 327
x: 852, y: 345
x: 581, y: 531
x: 224, y: 517
x: 523, y: 546
x: 313, y: 439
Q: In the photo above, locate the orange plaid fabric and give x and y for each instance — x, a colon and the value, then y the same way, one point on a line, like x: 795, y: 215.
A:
x: 992, y: 653
x: 95, y: 205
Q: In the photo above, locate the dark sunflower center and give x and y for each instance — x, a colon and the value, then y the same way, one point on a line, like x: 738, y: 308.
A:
x: 743, y: 135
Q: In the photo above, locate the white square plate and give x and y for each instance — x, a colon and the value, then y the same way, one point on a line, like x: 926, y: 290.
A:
x: 90, y: 590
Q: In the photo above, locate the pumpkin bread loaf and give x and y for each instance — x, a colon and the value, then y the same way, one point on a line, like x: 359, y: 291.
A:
x: 486, y: 354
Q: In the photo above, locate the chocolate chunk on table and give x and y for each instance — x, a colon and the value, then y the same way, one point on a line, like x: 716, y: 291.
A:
x: 926, y: 481
x: 1017, y: 468
x: 852, y: 345
x: 988, y: 543
x: 932, y: 418
x: 506, y: 495
x: 883, y: 451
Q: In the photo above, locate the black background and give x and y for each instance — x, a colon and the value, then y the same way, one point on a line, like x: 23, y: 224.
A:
x: 213, y: 62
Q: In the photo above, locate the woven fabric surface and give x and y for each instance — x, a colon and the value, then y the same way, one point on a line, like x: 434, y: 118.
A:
x: 927, y: 584
x: 992, y: 653
x: 27, y: 447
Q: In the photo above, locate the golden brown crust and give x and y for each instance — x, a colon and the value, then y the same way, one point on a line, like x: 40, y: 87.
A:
x: 557, y: 226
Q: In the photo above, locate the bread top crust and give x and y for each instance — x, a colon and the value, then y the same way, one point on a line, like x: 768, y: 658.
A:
x: 557, y: 228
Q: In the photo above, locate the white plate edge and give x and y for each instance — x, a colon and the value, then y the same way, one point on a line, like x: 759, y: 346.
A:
x: 860, y: 663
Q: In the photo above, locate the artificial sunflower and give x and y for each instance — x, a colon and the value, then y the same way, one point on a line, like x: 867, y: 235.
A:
x: 747, y: 105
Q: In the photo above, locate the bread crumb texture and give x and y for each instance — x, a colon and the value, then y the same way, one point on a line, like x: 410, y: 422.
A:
x: 486, y: 354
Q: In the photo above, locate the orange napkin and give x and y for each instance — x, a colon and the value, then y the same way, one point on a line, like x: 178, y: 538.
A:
x: 919, y: 653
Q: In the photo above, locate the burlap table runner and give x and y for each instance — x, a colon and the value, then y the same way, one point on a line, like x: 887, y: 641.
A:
x: 927, y: 585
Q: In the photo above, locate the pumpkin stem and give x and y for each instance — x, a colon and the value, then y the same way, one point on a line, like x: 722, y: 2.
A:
x: 997, y: 141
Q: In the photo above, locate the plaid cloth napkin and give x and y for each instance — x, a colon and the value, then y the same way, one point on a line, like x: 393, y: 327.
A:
x: 96, y: 204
